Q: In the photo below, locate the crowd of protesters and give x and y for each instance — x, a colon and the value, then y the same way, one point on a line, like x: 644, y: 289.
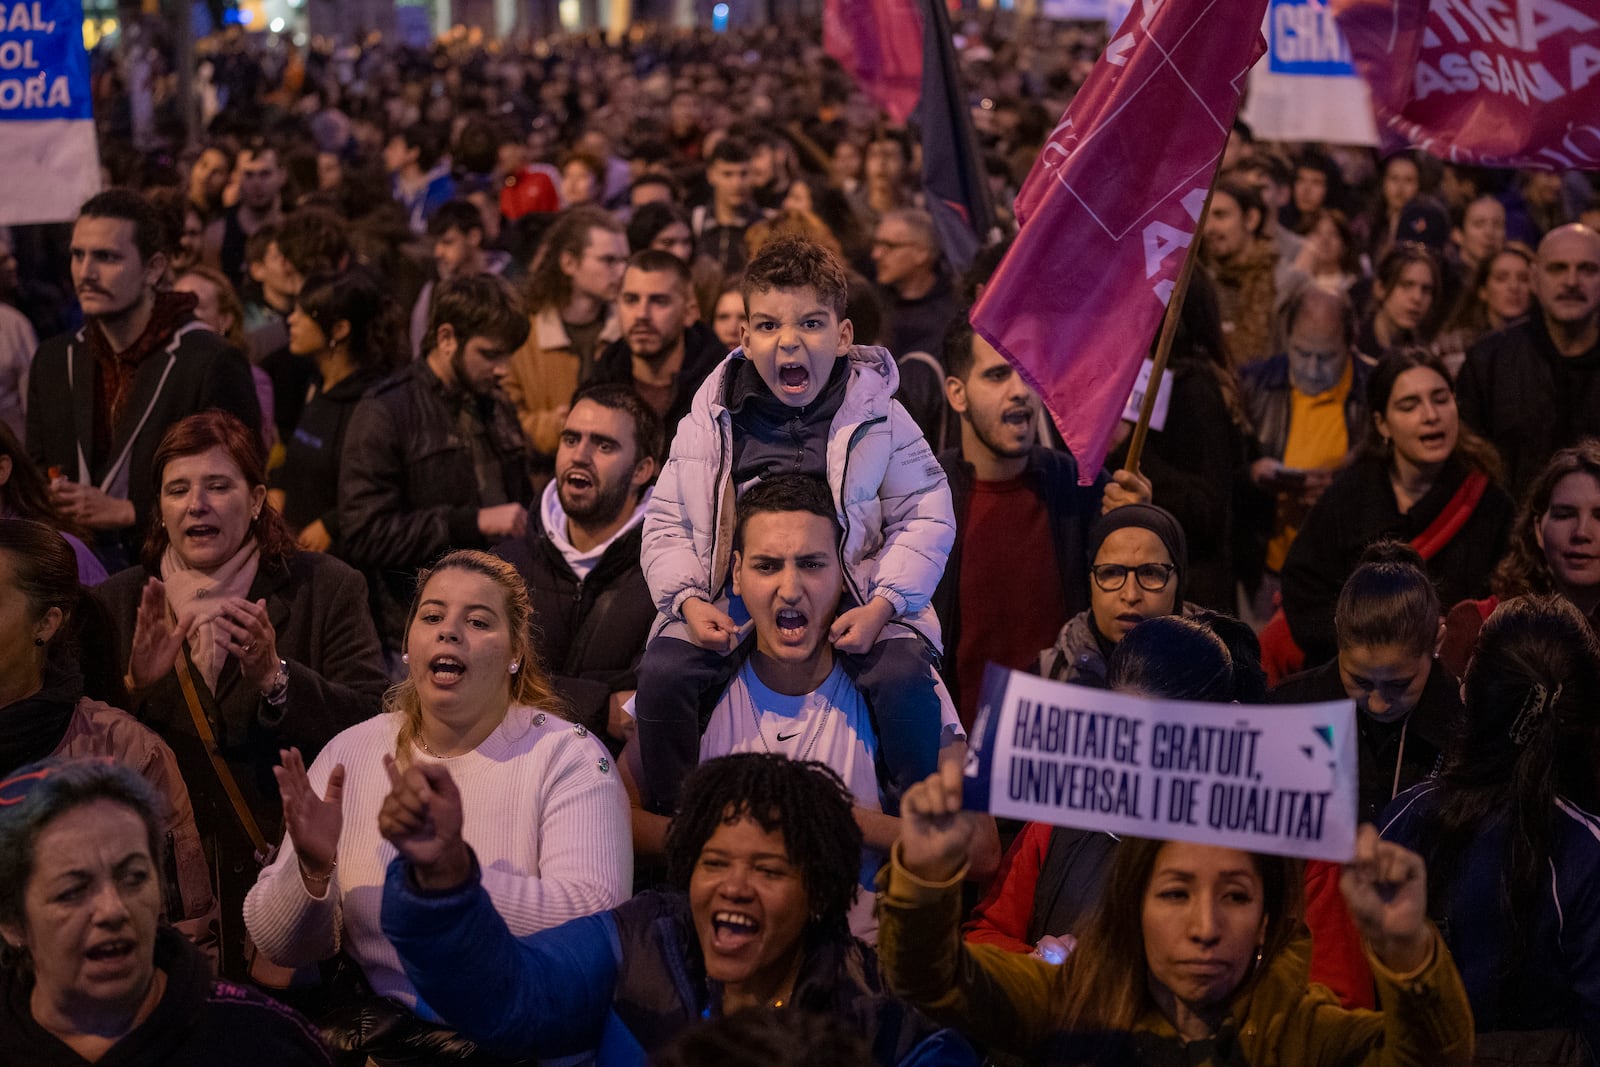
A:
x: 499, y: 547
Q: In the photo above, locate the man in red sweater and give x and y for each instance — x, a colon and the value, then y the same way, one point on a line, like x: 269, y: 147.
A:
x: 1019, y: 568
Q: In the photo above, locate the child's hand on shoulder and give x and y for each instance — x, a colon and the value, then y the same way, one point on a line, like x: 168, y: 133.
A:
x: 856, y: 631
x: 711, y: 628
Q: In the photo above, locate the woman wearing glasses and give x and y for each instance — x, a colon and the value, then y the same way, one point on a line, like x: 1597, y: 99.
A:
x: 1137, y: 559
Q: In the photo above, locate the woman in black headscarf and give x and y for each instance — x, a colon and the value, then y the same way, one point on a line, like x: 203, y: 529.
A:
x: 1138, y: 559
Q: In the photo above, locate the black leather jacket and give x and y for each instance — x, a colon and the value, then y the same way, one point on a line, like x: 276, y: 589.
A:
x: 590, y: 632
x: 407, y: 484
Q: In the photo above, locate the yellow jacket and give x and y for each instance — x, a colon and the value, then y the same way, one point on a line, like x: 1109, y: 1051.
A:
x: 1007, y: 1000
x: 544, y: 375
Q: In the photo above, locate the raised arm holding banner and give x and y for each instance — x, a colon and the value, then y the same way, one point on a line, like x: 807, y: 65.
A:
x: 1280, y: 779
x: 1198, y: 942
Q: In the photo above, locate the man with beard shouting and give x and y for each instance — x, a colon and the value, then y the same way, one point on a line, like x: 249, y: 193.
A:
x: 580, y: 556
x: 1019, y: 569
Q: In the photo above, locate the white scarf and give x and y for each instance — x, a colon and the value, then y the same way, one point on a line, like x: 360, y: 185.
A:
x: 204, y: 592
x: 555, y: 524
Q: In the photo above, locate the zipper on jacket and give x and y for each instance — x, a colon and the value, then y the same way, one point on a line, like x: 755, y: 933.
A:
x: 724, y: 460
x: 177, y: 905
x: 844, y: 512
x: 844, y: 537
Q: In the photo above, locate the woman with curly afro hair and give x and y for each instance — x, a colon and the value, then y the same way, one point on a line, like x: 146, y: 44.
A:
x: 762, y: 859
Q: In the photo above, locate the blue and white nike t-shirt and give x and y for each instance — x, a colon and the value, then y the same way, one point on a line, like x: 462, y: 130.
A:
x: 830, y: 725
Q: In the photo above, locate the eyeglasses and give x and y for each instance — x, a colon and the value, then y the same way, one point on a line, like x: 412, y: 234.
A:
x: 1152, y: 577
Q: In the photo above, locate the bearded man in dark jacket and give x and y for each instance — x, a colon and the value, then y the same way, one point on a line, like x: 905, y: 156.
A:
x: 434, y: 458
x: 580, y: 556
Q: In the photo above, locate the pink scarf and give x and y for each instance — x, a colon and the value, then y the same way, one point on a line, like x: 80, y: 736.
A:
x: 203, y: 593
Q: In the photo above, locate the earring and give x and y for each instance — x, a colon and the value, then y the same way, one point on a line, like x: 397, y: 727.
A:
x: 514, y: 666
x: 39, y: 643
x: 255, y: 517
x: 405, y: 657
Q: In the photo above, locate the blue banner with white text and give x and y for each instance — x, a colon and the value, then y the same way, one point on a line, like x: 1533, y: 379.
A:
x: 50, y: 164
x: 1306, y: 87
x: 44, y: 72
x: 1302, y: 38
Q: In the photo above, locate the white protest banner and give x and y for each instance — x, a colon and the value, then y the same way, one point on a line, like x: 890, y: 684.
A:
x: 50, y: 165
x: 1079, y: 10
x: 1117, y: 13
x: 1141, y: 385
x: 1263, y: 778
x: 1306, y: 88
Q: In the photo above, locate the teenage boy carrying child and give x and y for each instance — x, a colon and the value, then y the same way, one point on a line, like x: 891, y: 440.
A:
x: 797, y: 397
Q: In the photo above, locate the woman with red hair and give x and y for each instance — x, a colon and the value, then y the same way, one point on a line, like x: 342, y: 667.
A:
x: 237, y: 645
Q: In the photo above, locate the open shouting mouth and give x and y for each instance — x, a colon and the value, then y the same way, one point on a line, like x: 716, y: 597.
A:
x: 732, y: 931
x: 446, y: 670
x: 791, y: 623
x: 794, y: 378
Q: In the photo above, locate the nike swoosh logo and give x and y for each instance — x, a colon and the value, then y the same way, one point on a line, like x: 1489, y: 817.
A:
x: 789, y: 737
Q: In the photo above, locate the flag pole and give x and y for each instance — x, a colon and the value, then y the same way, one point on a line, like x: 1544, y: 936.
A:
x: 1169, y: 330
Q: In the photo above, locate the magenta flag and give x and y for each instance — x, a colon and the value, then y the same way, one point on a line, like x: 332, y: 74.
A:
x: 879, y: 42
x: 1512, y: 83
x: 1110, y: 208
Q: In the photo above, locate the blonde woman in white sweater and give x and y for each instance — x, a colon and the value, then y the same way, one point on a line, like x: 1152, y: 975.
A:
x: 549, y: 817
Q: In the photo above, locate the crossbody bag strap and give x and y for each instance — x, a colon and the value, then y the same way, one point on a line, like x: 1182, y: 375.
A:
x: 1457, y: 510
x: 202, y: 725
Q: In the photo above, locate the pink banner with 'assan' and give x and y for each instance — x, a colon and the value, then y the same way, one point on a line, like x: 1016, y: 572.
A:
x: 880, y: 43
x: 1110, y: 208
x: 1510, y: 83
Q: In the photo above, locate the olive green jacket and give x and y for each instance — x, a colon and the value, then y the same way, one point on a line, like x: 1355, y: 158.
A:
x: 1009, y: 1001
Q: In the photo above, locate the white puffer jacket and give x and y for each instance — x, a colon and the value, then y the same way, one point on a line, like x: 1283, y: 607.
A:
x: 889, y: 491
